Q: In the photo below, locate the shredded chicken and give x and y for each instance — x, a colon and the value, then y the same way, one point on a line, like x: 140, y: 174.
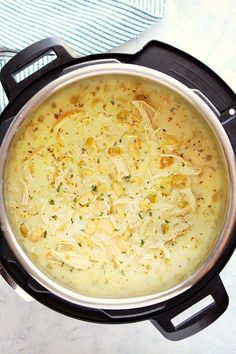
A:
x: 117, y: 194
x: 148, y: 117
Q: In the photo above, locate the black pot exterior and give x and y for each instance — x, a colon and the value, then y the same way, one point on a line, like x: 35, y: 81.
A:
x: 193, y: 74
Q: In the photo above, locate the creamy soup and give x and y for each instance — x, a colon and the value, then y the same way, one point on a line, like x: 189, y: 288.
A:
x: 115, y: 187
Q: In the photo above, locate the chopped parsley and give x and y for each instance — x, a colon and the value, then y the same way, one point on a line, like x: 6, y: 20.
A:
x: 72, y: 221
x: 127, y: 178
x: 94, y: 188
x: 142, y: 243
x: 45, y: 234
x: 59, y: 187
x: 51, y: 202
x: 139, y: 214
x: 112, y: 102
x: 54, y: 217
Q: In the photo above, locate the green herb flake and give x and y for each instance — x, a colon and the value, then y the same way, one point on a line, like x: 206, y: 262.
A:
x: 167, y: 221
x: 139, y: 214
x: 54, y: 217
x: 45, y: 234
x: 72, y: 221
x: 79, y: 243
x: 94, y: 188
x: 142, y: 242
x: 49, y: 266
x: 51, y: 202
x: 112, y: 102
x: 59, y: 187
x: 127, y: 178
x: 80, y: 217
x: 75, y: 200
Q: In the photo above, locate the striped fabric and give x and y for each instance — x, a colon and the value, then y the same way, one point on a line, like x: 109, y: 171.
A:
x: 88, y: 26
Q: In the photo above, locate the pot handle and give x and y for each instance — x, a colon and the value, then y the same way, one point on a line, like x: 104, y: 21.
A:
x: 53, y: 45
x: 198, y: 321
x: 14, y: 286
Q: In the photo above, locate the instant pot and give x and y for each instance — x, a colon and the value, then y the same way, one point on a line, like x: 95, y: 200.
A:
x: 196, y: 82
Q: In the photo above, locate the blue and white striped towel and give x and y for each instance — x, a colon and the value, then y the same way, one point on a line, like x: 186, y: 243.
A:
x: 88, y: 26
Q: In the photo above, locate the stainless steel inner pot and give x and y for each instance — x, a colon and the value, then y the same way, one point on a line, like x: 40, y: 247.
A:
x: 206, y: 112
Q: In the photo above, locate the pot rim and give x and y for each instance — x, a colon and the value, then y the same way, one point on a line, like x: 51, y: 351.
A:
x: 227, y: 151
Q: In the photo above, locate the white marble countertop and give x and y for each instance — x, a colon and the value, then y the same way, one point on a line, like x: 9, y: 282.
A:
x: 207, y: 30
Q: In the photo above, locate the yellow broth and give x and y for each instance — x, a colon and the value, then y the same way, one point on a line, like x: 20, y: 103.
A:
x: 116, y: 187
